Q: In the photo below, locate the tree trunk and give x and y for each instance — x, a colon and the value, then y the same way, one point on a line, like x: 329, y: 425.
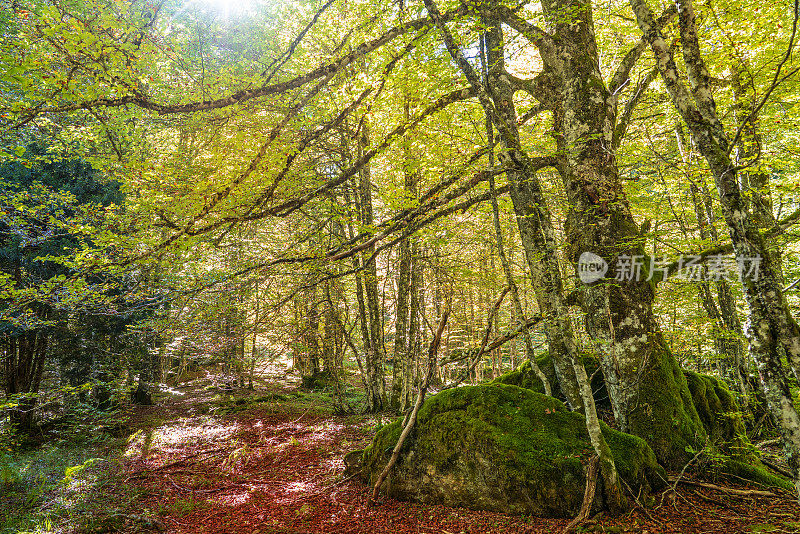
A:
x: 333, y: 346
x: 519, y: 314
x: 376, y: 389
x: 727, y: 327
x: 399, y: 399
x: 647, y: 388
x: 404, y: 331
x: 538, y: 237
x: 414, y: 336
x: 534, y: 222
x: 309, y: 353
x: 771, y: 327
x: 25, y: 356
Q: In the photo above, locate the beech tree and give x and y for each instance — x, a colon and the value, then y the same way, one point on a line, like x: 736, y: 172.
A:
x: 352, y: 132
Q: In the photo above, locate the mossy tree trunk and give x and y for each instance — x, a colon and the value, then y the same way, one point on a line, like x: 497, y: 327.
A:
x: 309, y: 354
x: 771, y: 329
x: 647, y: 389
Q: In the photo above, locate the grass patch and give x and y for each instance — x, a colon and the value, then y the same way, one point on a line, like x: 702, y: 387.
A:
x: 60, y: 487
x: 314, y: 402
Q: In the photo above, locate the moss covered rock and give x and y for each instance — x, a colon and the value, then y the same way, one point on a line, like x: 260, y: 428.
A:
x: 316, y: 381
x: 720, y: 415
x: 524, y: 377
x: 719, y: 412
x: 504, y: 448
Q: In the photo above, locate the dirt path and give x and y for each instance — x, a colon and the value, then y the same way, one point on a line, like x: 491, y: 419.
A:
x: 277, y: 468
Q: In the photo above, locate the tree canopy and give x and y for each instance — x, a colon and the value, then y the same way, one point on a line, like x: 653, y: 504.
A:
x: 612, y: 183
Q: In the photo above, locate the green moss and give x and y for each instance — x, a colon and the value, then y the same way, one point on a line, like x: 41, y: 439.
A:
x: 663, y: 412
x: 720, y: 415
x: 735, y: 456
x: 320, y: 380
x: 663, y: 415
x: 736, y: 470
x: 717, y: 411
x: 378, y: 452
x: 502, y: 447
x: 634, y: 461
x: 524, y: 377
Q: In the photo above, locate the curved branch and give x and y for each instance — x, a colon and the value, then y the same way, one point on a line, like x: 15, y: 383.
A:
x: 537, y: 36
x: 138, y: 99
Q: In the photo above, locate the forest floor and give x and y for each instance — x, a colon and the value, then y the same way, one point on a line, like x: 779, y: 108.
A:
x: 270, y: 462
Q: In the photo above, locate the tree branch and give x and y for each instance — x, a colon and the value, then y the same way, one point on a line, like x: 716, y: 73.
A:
x: 775, y: 80
x: 138, y: 99
x: 620, y: 77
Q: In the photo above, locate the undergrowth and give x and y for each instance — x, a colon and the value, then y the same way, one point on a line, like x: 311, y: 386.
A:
x: 54, y: 488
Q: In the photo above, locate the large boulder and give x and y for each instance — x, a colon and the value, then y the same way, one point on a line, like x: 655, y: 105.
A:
x: 503, y: 448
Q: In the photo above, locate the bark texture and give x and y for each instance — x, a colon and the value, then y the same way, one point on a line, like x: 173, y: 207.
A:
x: 648, y: 391
x: 771, y: 329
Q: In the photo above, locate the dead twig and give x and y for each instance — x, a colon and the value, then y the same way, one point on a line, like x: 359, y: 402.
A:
x: 299, y: 418
x: 680, y: 475
x: 725, y: 489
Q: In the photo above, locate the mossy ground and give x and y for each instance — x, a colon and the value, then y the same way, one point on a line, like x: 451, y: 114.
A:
x: 61, y: 487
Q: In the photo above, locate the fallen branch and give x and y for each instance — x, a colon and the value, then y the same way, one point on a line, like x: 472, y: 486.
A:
x: 433, y: 349
x: 712, y: 500
x: 724, y: 489
x: 588, y: 496
x: 778, y: 469
x: 768, y: 442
